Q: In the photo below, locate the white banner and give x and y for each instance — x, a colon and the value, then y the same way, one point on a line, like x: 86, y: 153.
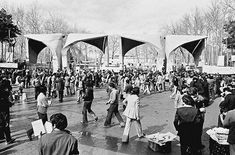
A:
x: 220, y: 61
x: 217, y: 69
x: 8, y: 65
x: 233, y: 58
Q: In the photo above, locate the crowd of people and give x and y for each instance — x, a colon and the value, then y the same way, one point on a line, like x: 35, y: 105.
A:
x: 192, y: 93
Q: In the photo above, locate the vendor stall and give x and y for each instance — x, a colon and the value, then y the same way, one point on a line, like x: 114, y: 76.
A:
x: 218, y: 144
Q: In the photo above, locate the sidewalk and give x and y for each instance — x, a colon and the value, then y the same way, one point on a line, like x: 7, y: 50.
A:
x: 157, y: 114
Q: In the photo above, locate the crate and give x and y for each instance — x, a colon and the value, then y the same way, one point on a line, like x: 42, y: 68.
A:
x: 157, y: 148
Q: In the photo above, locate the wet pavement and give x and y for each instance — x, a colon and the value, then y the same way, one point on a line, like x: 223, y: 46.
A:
x: 157, y: 115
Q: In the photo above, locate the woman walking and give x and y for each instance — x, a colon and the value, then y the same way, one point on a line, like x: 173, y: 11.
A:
x: 132, y: 114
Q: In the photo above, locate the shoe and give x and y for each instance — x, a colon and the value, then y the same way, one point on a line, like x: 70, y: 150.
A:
x: 84, y: 122
x: 29, y: 136
x: 143, y: 135
x: 122, y: 125
x: 107, y: 126
x: 96, y: 118
x: 10, y: 141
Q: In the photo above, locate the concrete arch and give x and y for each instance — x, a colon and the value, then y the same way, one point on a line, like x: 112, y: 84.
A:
x: 98, y: 40
x: 194, y: 45
x: 60, y: 43
x: 130, y: 41
x: 35, y: 43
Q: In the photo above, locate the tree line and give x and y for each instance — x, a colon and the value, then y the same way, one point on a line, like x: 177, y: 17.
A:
x: 31, y: 20
x: 213, y: 22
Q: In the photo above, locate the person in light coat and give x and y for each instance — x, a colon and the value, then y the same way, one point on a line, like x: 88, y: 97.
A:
x: 132, y: 114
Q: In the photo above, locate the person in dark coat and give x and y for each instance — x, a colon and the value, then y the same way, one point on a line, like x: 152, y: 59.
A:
x: 198, y: 83
x: 36, y: 84
x: 5, y: 104
x: 88, y: 98
x: 206, y: 93
x: 199, y: 103
x: 229, y: 100
x: 186, y: 122
x: 60, y: 87
x: 218, y: 80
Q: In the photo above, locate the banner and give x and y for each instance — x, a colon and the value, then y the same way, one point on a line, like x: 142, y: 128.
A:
x: 233, y: 58
x: 220, y: 61
x: 217, y: 69
x: 8, y: 65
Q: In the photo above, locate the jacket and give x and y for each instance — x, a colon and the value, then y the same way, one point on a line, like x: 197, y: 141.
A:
x: 60, y: 84
x: 132, y: 108
x: 89, y: 94
x: 58, y: 143
x: 186, y: 117
x: 229, y: 122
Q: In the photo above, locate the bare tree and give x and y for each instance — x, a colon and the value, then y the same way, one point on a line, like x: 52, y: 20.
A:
x: 114, y: 45
x: 229, y: 3
x: 55, y: 24
x: 19, y: 16
x: 209, y: 22
x: 34, y: 19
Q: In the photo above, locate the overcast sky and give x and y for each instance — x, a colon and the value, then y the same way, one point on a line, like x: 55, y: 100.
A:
x: 119, y: 16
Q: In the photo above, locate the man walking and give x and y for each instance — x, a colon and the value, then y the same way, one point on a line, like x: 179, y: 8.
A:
x: 88, y: 98
x: 113, y: 109
x: 60, y: 87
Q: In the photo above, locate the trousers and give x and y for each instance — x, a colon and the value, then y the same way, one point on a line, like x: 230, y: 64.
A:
x: 4, y: 124
x: 87, y: 108
x: 138, y: 127
x: 113, y: 109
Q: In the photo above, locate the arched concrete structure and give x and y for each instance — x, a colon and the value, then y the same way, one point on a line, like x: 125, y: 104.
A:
x: 98, y: 40
x: 129, y: 41
x: 35, y: 43
x: 194, y: 44
x: 59, y: 45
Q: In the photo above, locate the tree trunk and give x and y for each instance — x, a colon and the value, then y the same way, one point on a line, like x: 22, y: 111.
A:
x: 2, y: 50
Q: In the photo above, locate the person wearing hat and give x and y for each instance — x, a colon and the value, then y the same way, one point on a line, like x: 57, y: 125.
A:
x: 113, y: 108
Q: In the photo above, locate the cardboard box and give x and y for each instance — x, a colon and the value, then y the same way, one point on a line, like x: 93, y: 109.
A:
x: 157, y: 148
